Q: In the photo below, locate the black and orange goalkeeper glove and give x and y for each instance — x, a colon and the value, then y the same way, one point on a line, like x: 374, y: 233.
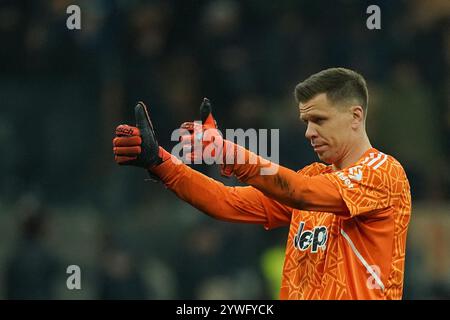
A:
x: 138, y: 146
x: 205, y: 142
x: 200, y: 135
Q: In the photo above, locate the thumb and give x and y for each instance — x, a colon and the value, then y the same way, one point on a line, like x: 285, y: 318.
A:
x: 143, y: 119
x: 206, y: 113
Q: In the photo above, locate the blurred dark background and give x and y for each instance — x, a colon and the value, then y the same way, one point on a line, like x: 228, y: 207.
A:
x: 64, y: 201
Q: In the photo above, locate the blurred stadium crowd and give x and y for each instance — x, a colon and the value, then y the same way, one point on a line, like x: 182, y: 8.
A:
x: 64, y: 201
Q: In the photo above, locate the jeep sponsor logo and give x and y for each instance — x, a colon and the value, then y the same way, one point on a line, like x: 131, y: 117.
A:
x: 314, y: 239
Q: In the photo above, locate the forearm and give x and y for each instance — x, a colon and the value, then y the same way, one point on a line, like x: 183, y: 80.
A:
x: 285, y: 185
x: 232, y: 204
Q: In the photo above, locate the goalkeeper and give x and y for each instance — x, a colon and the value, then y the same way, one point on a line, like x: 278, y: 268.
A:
x: 348, y: 215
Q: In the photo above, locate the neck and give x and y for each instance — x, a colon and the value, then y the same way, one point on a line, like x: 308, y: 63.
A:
x: 353, y: 154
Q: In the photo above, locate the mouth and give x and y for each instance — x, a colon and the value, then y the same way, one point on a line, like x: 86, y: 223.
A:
x: 319, y: 147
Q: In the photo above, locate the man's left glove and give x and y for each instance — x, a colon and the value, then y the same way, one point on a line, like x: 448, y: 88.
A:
x: 213, y: 148
x: 138, y: 146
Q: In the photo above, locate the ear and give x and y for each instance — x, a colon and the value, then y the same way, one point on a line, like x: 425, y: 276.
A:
x: 357, y: 113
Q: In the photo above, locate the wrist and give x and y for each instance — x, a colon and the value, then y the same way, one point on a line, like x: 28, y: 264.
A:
x: 229, y: 158
x: 163, y: 155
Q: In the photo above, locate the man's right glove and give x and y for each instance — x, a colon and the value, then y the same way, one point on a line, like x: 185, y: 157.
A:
x: 138, y: 146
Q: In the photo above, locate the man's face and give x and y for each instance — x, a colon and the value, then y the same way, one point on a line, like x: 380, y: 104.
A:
x: 329, y: 128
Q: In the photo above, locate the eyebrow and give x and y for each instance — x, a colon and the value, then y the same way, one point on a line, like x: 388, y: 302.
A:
x: 305, y: 117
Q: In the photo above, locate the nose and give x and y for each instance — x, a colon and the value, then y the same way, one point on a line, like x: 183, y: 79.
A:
x: 310, y: 131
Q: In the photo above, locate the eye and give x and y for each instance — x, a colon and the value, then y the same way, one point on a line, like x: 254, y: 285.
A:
x: 318, y: 121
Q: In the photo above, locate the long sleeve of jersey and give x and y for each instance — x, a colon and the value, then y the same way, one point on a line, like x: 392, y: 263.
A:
x: 234, y: 204
x: 296, y: 190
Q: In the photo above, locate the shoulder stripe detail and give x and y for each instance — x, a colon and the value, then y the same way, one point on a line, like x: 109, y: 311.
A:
x: 381, y: 162
x: 374, y: 160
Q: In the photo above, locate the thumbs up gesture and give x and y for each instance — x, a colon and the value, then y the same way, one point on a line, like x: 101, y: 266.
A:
x: 138, y: 146
x: 203, y: 142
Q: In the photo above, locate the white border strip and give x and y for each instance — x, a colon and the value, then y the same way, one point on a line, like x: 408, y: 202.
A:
x: 381, y: 162
x: 363, y: 261
x: 375, y: 159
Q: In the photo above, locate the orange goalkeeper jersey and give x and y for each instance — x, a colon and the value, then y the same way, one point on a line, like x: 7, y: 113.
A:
x: 347, y: 235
